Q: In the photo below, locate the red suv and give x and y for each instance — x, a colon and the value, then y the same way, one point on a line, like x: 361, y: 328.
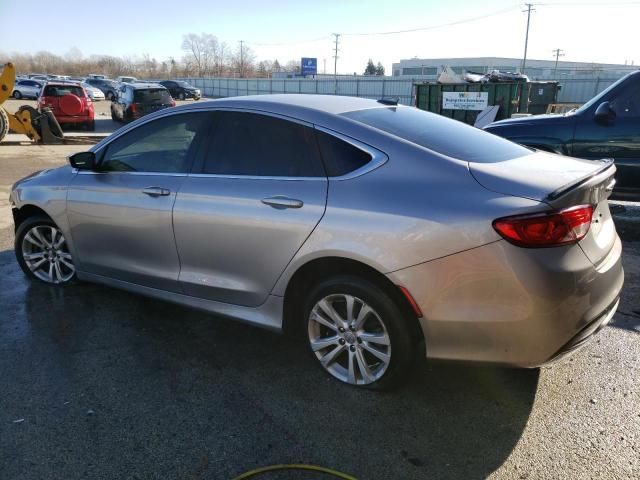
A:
x: 69, y: 103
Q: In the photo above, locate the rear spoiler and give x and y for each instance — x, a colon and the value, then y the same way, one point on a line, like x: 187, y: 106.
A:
x: 608, y: 165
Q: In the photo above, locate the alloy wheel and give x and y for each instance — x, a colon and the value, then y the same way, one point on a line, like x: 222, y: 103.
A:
x: 349, y: 339
x: 46, y: 254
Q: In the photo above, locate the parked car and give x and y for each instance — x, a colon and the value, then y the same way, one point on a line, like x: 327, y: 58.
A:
x: 94, y: 93
x: 108, y: 87
x: 96, y: 76
x: 125, y: 79
x: 375, y: 232
x: 181, y: 90
x: 606, y: 126
x: 27, y: 88
x: 69, y: 103
x: 139, y: 99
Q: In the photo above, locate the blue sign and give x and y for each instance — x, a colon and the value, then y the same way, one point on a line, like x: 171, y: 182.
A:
x: 309, y: 66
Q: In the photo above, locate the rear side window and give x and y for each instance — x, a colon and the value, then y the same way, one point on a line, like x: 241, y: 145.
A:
x: 440, y: 134
x: 340, y: 157
x: 260, y: 145
x: 154, y: 96
x: 62, y: 90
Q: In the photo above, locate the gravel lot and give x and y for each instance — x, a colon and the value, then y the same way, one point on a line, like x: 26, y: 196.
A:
x: 98, y: 383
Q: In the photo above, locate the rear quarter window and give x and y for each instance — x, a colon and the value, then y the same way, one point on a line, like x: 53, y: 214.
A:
x: 440, y: 134
x: 338, y: 156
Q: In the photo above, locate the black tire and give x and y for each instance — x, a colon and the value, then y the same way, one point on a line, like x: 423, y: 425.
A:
x: 109, y: 95
x: 17, y: 95
x: 403, y: 347
x: 4, y: 124
x: 114, y: 117
x: 181, y: 96
x: 24, y: 228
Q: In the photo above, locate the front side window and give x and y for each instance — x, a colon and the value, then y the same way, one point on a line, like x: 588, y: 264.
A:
x: 627, y: 102
x: 164, y: 145
x: 260, y: 145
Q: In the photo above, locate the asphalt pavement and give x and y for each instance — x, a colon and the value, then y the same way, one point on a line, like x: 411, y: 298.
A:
x: 101, y: 384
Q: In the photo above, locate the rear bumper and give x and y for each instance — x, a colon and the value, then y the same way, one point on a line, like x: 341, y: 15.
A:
x: 74, y: 119
x: 503, y: 304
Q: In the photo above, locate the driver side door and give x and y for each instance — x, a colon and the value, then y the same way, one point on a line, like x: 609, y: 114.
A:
x: 120, y: 215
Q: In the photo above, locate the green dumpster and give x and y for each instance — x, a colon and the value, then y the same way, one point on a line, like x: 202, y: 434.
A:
x: 463, y: 101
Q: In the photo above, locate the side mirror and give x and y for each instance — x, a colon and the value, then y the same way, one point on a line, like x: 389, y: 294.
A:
x: 83, y: 160
x: 604, y: 113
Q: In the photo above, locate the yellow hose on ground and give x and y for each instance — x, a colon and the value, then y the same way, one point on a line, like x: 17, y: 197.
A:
x: 294, y: 466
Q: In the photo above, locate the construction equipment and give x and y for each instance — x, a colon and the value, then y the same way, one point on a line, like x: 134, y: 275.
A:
x: 39, y: 126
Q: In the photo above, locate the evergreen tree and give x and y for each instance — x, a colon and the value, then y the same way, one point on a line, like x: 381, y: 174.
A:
x: 379, y: 69
x: 370, y: 69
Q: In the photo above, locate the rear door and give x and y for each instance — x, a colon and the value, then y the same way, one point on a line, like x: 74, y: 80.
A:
x: 121, y: 215
x: 247, y: 209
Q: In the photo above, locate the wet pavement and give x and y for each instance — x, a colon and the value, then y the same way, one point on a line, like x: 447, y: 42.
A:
x: 98, y: 383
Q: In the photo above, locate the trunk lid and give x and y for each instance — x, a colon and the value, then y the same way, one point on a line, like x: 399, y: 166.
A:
x: 560, y: 182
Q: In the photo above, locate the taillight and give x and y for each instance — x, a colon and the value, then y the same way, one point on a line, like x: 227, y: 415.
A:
x: 133, y: 108
x: 546, y: 229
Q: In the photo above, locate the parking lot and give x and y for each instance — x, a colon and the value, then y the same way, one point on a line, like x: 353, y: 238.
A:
x: 98, y: 383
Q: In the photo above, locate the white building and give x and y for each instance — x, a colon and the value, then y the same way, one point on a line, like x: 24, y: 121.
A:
x: 429, y: 68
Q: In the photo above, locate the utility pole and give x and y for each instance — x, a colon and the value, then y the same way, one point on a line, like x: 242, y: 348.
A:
x: 558, y: 53
x: 335, y: 63
x: 241, y: 59
x: 526, y: 38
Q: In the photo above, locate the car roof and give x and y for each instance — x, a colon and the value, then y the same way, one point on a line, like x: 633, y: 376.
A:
x: 62, y: 83
x: 302, y: 106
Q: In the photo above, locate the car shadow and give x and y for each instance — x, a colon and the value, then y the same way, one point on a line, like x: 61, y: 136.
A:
x: 158, y: 390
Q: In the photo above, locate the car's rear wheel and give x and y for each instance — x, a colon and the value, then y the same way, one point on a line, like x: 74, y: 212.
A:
x: 17, y: 95
x: 43, y: 253
x: 110, y: 95
x: 357, y: 333
x: 181, y: 96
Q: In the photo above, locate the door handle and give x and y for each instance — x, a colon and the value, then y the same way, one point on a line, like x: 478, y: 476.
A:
x: 156, y: 191
x: 281, y: 202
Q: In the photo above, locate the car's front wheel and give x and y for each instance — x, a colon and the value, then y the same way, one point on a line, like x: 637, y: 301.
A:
x: 43, y: 253
x: 17, y: 95
x: 358, y: 333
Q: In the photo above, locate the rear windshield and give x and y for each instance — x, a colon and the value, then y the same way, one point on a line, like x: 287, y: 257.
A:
x: 440, y: 134
x: 61, y: 90
x: 155, y: 96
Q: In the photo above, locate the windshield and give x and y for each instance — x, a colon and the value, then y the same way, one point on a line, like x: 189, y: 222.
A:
x: 440, y: 134
x: 597, y: 98
x: 154, y: 96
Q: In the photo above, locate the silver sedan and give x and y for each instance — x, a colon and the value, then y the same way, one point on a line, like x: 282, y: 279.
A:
x: 375, y: 232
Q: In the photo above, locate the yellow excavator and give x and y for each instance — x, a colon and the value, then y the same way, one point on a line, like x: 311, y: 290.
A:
x: 39, y: 126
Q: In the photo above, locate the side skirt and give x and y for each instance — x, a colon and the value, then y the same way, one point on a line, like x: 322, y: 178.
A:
x: 268, y: 315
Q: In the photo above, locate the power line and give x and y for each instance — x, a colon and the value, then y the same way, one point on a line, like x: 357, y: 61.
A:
x: 431, y: 27
x: 297, y: 42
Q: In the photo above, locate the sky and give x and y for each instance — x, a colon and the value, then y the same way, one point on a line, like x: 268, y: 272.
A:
x: 587, y: 30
